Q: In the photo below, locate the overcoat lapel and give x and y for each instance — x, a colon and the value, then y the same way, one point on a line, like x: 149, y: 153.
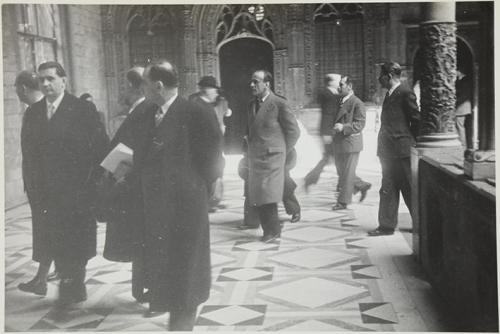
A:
x: 343, y: 108
x: 260, y: 114
x: 61, y: 116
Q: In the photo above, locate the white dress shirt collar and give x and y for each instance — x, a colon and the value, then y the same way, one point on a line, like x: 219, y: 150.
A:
x: 166, y: 106
x: 345, y: 98
x: 136, y: 103
x: 265, y: 96
x: 56, y: 103
x: 393, y: 88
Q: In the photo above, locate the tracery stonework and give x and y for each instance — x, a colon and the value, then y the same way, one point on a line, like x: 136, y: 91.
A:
x: 438, y: 45
x: 309, y: 49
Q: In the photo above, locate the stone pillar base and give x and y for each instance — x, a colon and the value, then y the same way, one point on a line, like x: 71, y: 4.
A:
x: 479, y: 165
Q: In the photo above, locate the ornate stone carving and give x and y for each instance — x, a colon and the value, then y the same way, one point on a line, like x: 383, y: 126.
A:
x: 369, y: 47
x: 309, y: 49
x: 438, y: 50
x: 280, y: 71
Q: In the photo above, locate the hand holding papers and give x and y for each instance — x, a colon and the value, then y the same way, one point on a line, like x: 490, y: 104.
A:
x: 119, y: 161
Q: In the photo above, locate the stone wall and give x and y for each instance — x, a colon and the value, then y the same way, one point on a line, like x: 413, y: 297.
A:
x: 458, y: 242
x: 13, y: 110
x: 86, y: 54
x: 82, y: 55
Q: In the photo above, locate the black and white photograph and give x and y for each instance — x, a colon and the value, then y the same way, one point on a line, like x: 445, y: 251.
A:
x: 245, y: 167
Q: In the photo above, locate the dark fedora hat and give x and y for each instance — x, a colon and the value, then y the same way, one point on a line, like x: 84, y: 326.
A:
x: 208, y: 81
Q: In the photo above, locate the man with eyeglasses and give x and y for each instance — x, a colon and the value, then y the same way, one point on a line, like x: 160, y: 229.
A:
x: 399, y: 127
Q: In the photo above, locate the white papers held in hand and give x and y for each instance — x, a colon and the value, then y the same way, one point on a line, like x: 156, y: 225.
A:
x: 119, y: 161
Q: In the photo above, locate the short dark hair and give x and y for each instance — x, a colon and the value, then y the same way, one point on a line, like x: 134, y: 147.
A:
x: 348, y: 80
x: 392, y: 68
x: 159, y: 71
x: 134, y: 76
x: 268, y: 77
x: 85, y: 96
x: 53, y: 64
x: 28, y: 79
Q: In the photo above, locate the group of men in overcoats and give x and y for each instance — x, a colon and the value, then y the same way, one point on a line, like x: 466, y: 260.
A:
x: 157, y: 213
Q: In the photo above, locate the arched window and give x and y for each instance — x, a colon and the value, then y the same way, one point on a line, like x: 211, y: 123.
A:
x: 339, y: 42
x: 151, y: 34
x: 38, y: 28
x: 240, y: 19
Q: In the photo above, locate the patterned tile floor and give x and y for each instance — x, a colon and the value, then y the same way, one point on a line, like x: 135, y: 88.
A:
x: 324, y: 274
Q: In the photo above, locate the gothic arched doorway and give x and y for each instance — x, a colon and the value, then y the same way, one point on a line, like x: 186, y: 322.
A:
x: 238, y: 59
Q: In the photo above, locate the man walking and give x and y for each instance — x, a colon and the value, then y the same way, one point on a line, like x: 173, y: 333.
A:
x: 178, y: 161
x: 272, y: 134
x: 399, y: 126
x: 347, y: 140
x: 63, y: 141
x: 206, y: 98
x: 28, y: 92
x: 124, y: 224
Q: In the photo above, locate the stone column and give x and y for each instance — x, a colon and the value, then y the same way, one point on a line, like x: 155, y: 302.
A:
x: 295, y: 47
x: 188, y: 77
x: 438, y: 46
x: 437, y: 95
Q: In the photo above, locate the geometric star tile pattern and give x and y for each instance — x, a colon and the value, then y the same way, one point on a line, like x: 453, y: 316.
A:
x: 313, y: 258
x: 315, y: 233
x: 231, y: 315
x: 246, y: 274
x: 314, y: 292
x: 255, y: 246
x: 378, y: 313
x: 366, y: 271
x: 313, y: 280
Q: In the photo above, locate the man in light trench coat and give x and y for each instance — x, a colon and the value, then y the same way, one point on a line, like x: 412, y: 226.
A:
x: 272, y: 133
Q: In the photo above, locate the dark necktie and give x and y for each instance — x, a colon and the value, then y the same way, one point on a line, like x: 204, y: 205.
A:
x: 386, y: 98
x: 158, y: 116
x: 257, y: 105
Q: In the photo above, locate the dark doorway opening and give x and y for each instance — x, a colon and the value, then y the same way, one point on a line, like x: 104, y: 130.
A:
x: 238, y: 59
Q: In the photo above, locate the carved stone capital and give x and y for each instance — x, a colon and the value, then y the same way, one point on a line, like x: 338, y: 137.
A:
x: 438, y: 99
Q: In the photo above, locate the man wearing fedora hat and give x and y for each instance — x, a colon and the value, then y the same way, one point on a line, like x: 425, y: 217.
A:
x: 207, y: 98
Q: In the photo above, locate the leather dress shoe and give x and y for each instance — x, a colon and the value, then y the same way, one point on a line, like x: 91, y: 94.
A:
x: 364, y: 191
x: 295, y: 217
x: 34, y: 286
x: 153, y: 314
x: 270, y: 238
x: 339, y: 206
x: 53, y: 276
x: 247, y: 227
x: 71, y: 292
x: 379, y: 232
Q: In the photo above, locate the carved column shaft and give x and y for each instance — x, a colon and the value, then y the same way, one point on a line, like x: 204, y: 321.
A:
x: 439, y: 60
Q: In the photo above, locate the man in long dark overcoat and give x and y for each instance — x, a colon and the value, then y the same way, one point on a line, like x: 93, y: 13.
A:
x: 178, y: 161
x: 272, y: 134
x: 124, y: 202
x: 400, y: 120
x: 63, y: 143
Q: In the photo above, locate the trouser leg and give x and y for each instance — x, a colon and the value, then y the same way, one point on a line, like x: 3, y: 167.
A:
x: 290, y: 201
x: 72, y: 285
x: 138, y: 278
x: 405, y: 181
x: 268, y: 214
x: 182, y: 319
x: 348, y: 163
x: 389, y: 195
x: 460, y: 126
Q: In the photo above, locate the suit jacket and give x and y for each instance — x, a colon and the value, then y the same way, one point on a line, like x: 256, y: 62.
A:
x: 123, y: 203
x: 352, y: 116
x: 60, y: 171
x: 177, y: 162
x: 400, y: 120
x: 329, y: 104
x: 273, y: 132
